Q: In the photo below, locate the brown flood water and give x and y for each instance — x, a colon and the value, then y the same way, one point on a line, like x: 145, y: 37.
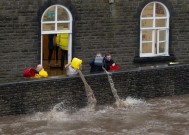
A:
x: 159, y: 116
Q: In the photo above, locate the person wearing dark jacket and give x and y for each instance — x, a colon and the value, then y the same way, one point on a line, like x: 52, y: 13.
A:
x: 96, y: 64
x: 107, y: 62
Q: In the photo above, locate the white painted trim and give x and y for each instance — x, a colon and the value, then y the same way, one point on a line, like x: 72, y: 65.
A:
x: 154, y: 29
x: 52, y: 22
x: 157, y: 28
x: 70, y: 49
x: 158, y: 42
x: 153, y: 42
x: 41, y: 62
x: 56, y: 32
x: 167, y: 43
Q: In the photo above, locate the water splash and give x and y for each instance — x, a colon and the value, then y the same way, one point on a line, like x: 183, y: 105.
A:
x: 58, y: 107
x: 139, y: 118
x: 90, y: 95
x: 84, y: 114
x: 58, y: 113
x: 133, y: 101
x: 119, y: 103
x: 57, y: 116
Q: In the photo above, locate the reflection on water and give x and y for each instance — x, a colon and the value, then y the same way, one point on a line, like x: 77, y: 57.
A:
x: 160, y: 116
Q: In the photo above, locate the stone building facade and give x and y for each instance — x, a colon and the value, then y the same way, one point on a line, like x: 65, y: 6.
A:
x: 98, y: 26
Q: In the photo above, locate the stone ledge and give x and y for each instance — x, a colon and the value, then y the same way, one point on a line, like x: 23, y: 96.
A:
x: 138, y: 59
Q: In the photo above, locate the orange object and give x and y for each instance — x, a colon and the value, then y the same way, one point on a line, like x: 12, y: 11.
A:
x: 29, y: 72
x: 114, y: 68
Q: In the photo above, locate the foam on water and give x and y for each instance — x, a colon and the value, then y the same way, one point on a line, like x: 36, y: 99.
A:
x: 84, y: 114
x: 133, y: 101
x: 59, y: 114
x: 58, y: 107
x: 39, y: 116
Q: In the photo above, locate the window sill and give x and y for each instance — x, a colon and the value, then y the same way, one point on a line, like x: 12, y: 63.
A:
x: 138, y: 59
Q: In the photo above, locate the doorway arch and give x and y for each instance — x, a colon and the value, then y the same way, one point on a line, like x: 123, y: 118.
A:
x: 55, y: 20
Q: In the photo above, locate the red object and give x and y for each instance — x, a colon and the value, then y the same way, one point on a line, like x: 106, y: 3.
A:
x: 29, y: 72
x: 114, y: 68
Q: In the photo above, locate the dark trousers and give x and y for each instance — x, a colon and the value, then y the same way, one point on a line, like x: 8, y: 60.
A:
x: 63, y: 56
x: 51, y: 52
x: 50, y: 55
x: 57, y: 54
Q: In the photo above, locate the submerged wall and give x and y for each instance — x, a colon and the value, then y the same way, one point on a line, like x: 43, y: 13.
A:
x: 42, y: 95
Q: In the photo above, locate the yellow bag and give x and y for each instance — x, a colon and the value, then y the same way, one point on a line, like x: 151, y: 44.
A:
x: 76, y: 63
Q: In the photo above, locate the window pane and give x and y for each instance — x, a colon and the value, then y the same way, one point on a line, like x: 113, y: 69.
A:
x: 161, y: 22
x: 148, y: 11
x: 147, y: 35
x: 160, y: 10
x: 49, y: 15
x: 147, y: 23
x: 162, y: 47
x: 63, y: 26
x: 146, y: 47
x: 48, y: 27
x: 162, y: 35
x: 62, y: 14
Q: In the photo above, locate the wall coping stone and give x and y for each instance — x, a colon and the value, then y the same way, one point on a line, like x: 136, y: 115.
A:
x: 98, y: 74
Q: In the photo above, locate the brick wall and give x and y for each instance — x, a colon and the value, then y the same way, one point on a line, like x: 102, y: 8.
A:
x: 19, y: 32
x: 41, y: 95
x: 98, y: 27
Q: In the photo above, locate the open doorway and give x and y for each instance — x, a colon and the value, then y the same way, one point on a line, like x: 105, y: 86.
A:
x: 52, y: 56
x: 56, y: 39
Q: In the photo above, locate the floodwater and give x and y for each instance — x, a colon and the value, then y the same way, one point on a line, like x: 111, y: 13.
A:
x: 159, y: 116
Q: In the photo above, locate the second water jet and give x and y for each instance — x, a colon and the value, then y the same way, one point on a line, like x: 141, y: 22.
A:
x: 119, y: 103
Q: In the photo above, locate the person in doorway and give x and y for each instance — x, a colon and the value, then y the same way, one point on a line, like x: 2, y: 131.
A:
x: 62, y: 42
x: 96, y: 64
x: 40, y: 72
x: 107, y: 62
x: 50, y: 47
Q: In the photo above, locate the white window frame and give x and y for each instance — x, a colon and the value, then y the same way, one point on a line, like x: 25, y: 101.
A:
x: 154, y: 29
x: 69, y: 22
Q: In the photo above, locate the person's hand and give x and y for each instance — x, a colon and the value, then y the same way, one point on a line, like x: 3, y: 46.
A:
x: 66, y: 66
x: 113, y: 64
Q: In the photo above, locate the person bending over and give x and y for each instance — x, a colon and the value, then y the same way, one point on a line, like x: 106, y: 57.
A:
x: 40, y: 72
